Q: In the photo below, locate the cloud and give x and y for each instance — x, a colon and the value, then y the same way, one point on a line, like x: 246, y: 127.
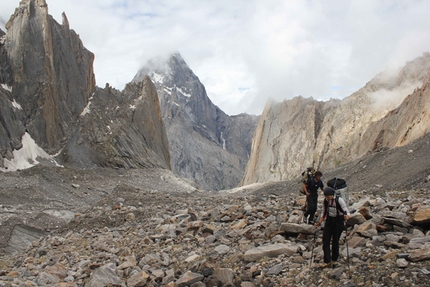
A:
x: 246, y: 51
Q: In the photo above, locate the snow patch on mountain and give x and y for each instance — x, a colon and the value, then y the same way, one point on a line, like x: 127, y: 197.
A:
x: 183, y: 93
x: 157, y: 78
x: 6, y: 87
x: 87, y: 108
x: 16, y: 105
x: 27, y: 156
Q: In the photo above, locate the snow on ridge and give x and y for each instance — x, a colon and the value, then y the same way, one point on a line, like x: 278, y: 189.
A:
x: 87, y: 108
x: 16, y: 105
x: 157, y: 77
x: 223, y: 141
x: 183, y: 93
x: 6, y: 87
x: 27, y: 156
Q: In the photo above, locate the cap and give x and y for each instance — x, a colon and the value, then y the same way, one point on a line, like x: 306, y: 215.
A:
x: 328, y: 191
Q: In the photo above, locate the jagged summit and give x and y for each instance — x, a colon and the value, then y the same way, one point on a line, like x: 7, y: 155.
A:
x: 206, y: 145
x: 52, y: 108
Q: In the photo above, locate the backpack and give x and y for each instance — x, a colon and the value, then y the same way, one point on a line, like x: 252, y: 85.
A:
x: 338, y: 208
x: 306, y: 176
x: 340, y: 187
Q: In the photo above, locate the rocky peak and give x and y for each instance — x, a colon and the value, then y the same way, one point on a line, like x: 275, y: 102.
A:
x: 52, y: 72
x: 50, y: 102
x: 206, y: 145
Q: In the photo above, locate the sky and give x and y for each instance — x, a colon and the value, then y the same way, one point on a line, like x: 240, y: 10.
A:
x: 247, y: 51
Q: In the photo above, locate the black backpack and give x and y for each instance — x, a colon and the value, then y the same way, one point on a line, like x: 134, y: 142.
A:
x: 336, y: 183
x: 340, y: 187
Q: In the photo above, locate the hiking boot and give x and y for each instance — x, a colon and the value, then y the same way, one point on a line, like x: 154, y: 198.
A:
x: 334, y: 264
x: 326, y: 265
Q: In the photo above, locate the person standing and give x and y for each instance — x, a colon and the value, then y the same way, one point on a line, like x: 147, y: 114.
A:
x: 335, y: 214
x: 311, y: 190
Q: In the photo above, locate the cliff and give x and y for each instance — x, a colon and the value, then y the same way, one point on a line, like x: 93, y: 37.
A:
x: 51, y: 108
x: 389, y: 111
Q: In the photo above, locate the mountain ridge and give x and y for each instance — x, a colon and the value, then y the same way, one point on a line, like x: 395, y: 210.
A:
x: 206, y: 144
x: 302, y: 132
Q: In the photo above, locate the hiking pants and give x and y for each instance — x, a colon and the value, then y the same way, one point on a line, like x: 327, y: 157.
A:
x: 332, y: 230
x: 312, y: 202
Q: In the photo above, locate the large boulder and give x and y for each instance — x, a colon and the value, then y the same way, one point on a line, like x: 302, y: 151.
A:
x: 273, y: 250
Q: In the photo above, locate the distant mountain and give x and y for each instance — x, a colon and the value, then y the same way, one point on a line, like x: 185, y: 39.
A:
x: 51, y: 108
x: 206, y: 145
x: 391, y: 110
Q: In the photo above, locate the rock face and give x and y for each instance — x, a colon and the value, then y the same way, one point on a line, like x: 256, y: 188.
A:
x: 11, y: 127
x: 121, y: 129
x: 48, y: 91
x: 52, y: 72
x: 390, y: 111
x: 206, y: 145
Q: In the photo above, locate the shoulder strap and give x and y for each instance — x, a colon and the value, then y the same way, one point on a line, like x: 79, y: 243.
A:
x: 338, y: 207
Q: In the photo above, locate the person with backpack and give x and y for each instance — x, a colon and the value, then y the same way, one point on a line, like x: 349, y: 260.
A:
x: 311, y: 190
x: 335, y: 214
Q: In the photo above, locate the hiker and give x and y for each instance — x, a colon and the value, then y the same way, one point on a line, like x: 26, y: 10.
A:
x: 335, y: 213
x: 311, y: 190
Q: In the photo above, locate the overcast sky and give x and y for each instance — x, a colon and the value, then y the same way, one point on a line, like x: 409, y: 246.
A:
x: 245, y: 51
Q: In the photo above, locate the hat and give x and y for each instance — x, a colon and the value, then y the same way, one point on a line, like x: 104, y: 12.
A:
x: 328, y: 191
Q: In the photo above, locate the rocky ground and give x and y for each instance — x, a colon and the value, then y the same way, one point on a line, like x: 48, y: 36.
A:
x: 150, y: 228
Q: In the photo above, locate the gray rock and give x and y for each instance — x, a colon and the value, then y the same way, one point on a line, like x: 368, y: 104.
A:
x: 273, y: 250
x: 105, y: 276
x: 46, y: 278
x: 222, y: 249
x: 276, y: 269
x: 189, y: 278
x: 356, y: 219
x: 418, y: 242
x: 336, y: 273
x: 22, y: 237
x: 137, y: 280
x: 224, y: 275
x: 297, y: 228
x: 402, y: 263
x: 419, y: 255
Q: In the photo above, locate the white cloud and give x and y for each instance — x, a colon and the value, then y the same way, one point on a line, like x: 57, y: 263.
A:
x: 245, y: 51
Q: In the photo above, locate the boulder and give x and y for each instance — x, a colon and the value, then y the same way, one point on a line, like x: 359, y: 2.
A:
x: 419, y: 255
x: 189, y: 278
x: 397, y: 221
x: 418, y: 242
x: 365, y: 211
x: 367, y: 229
x: 105, y: 276
x: 273, y: 250
x: 297, y: 228
x: 356, y: 241
x: 224, y: 275
x: 138, y: 279
x: 356, y: 218
x: 422, y: 216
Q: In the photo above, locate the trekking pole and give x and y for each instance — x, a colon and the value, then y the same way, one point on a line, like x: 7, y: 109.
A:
x: 313, y: 246
x: 347, y: 252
